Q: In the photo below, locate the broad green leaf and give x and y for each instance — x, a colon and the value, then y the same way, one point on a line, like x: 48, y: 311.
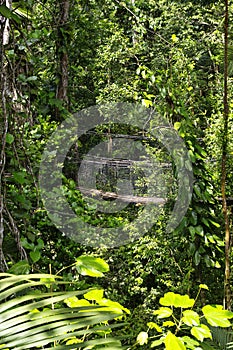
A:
x: 157, y: 342
x: 9, y: 138
x: 173, y: 343
x: 142, y: 338
x: 40, y: 243
x: 20, y: 268
x: 216, y: 316
x: 177, y: 125
x: 199, y: 230
x: 19, y: 177
x: 176, y: 300
x: 147, y: 103
x: 48, y: 281
x: 75, y: 302
x: 26, y: 244
x: 163, y: 312
x: 35, y: 255
x: 91, y: 266
x: 203, y: 286
x: 96, y: 294
x: 197, y: 258
x: 113, y: 306
x: 201, y: 332
x: 191, y: 318
x: 155, y: 326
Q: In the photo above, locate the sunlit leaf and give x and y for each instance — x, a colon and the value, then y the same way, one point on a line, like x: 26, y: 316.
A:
x: 216, y: 316
x: 163, y: 312
x: 191, y: 318
x: 203, y: 286
x: 176, y: 300
x: 96, y: 294
x: 173, y: 343
x: 155, y: 326
x: 91, y: 266
x: 201, y: 332
x: 142, y: 338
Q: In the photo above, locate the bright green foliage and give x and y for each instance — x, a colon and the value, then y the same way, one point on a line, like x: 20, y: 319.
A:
x: 176, y: 300
x: 173, y: 343
x: 201, y: 332
x: 163, y: 312
x: 214, y: 316
x: 191, y: 318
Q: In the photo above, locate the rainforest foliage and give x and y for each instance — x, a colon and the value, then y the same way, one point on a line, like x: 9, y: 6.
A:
x: 58, y: 58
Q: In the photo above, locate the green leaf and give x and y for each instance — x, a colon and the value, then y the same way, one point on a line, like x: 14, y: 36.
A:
x: 177, y: 125
x: 173, y: 343
x: 32, y: 78
x: 191, y: 343
x: 91, y: 266
x: 216, y: 224
x: 152, y: 325
x: 19, y: 177
x: 113, y: 306
x: 199, y: 230
x: 7, y: 13
x: 147, y: 103
x: 20, y: 268
x: 163, y: 312
x: 48, y: 281
x: 197, y: 258
x: 201, y: 332
x: 9, y: 138
x: 216, y: 316
x: 191, y: 318
x: 203, y: 286
x: 142, y: 338
x: 168, y: 324
x: 40, y: 243
x: 35, y: 255
x: 156, y: 343
x: 96, y: 294
x: 75, y: 302
x: 176, y: 300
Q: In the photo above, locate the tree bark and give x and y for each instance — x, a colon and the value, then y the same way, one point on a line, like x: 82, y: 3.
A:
x: 227, y: 283
x: 62, y: 52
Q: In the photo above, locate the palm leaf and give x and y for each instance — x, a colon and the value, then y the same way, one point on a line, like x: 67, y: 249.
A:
x: 221, y: 338
x: 31, y: 318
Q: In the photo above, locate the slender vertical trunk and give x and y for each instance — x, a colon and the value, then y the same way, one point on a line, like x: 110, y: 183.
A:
x: 227, y: 285
x: 62, y: 51
x: 4, y: 40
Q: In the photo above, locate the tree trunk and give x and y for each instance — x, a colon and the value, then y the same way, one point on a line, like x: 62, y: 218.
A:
x: 62, y: 52
x: 227, y: 283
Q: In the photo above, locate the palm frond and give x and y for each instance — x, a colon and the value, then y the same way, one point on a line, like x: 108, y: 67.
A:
x: 31, y: 318
x: 221, y: 338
